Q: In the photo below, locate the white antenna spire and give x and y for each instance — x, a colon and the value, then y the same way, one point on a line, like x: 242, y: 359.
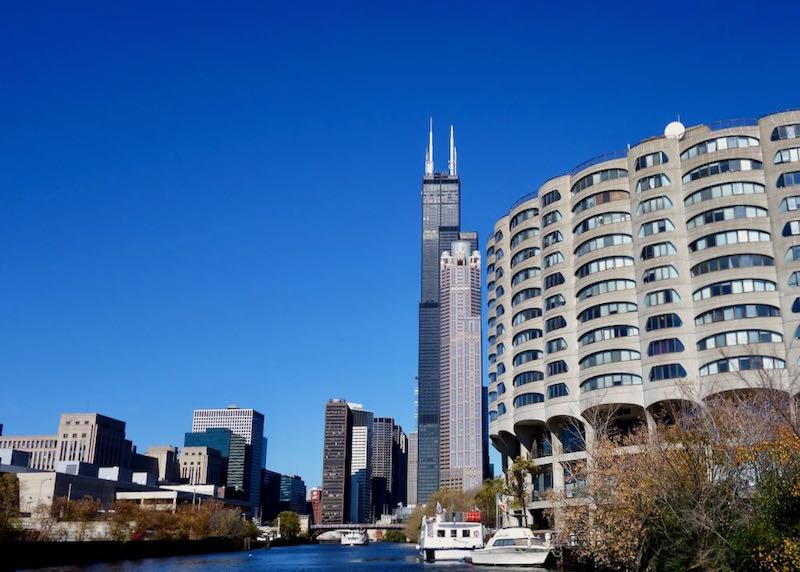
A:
x: 429, y: 152
x: 453, y: 154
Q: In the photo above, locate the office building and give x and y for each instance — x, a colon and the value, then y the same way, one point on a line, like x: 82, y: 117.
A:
x: 411, y: 472
x: 336, y: 462
x: 233, y: 450
x: 43, y: 449
x: 360, y: 464
x: 167, y: 458
x: 399, y: 466
x: 201, y: 466
x: 293, y: 494
x: 665, y: 273
x: 316, y: 504
x: 441, y: 226
x: 249, y: 424
x: 461, y: 463
x: 389, y: 465
x: 270, y: 495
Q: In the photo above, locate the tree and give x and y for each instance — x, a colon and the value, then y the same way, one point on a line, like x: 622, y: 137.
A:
x: 485, y: 499
x: 517, y: 476
x: 9, y: 505
x: 394, y: 536
x: 288, y: 524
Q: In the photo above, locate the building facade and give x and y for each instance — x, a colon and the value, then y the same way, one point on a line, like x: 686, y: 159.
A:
x: 336, y: 462
x: 43, y: 449
x: 441, y: 226
x: 361, y: 464
x: 168, y: 466
x: 234, y: 452
x: 665, y: 273
x: 249, y: 424
x: 293, y: 494
x: 201, y: 466
x: 315, y: 495
x: 411, y: 473
x: 461, y: 460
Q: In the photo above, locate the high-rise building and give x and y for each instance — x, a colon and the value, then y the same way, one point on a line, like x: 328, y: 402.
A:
x: 270, y: 495
x: 316, y: 504
x: 248, y: 423
x: 168, y: 466
x: 461, y: 460
x: 399, y: 466
x: 441, y: 226
x: 336, y: 462
x: 360, y: 464
x: 293, y: 494
x: 201, y: 466
x: 389, y: 465
x: 411, y: 482
x: 664, y: 273
x: 234, y: 454
x: 93, y: 438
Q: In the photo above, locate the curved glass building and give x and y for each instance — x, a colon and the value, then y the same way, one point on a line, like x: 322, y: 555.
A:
x: 668, y: 272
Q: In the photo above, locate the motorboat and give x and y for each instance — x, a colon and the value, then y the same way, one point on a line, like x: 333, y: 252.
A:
x: 448, y: 537
x: 355, y: 538
x: 515, y: 546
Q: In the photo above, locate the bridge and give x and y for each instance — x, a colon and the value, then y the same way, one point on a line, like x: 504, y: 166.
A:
x: 356, y: 526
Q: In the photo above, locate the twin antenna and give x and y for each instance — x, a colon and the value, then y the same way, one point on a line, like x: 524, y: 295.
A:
x: 429, y: 153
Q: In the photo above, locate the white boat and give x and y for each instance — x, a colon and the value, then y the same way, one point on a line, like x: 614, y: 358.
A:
x: 515, y: 546
x: 355, y: 538
x: 440, y: 539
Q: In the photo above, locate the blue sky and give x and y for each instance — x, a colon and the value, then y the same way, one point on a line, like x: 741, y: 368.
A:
x: 208, y: 204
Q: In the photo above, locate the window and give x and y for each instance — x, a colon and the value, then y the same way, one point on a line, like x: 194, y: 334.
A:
x: 724, y: 190
x: 606, y: 357
x: 736, y: 312
x: 743, y: 363
x: 663, y: 322
x: 526, y: 356
x: 793, y: 254
x: 498, y: 236
x: 794, y: 279
x: 787, y: 156
x: 603, y: 310
x: 490, y: 251
x: 490, y: 286
x: 553, y: 280
x: 525, y: 315
x: 602, y: 242
x: 492, y: 418
x: 667, y: 371
x: 600, y: 220
x: 500, y: 310
x: 785, y: 132
x: 602, y: 264
x: 490, y: 304
x: 525, y: 336
x: 600, y: 199
x: 551, y: 218
x: 553, y: 259
x: 501, y: 349
x: 598, y: 177
x: 658, y: 249
x: 733, y: 287
x: 555, y: 345
x: 653, y: 205
x: 665, y: 346
x: 523, y: 235
x: 719, y: 167
x: 555, y: 323
x: 501, y: 409
x: 652, y: 182
x: 555, y: 301
x: 610, y: 380
x: 501, y: 369
x: 552, y: 238
x: 727, y: 213
x: 549, y: 198
x: 604, y: 287
x: 651, y: 159
x: 739, y: 338
x: 557, y: 367
x: 525, y: 274
x: 607, y: 333
x: 557, y: 390
x: 731, y: 237
x: 527, y: 377
x: 523, y: 216
x: 791, y: 228
x: 527, y: 399
x: 490, y: 267
x: 789, y: 204
x: 656, y: 227
x: 498, y: 255
x: 524, y: 254
x: 500, y: 291
x: 718, y: 144
x: 525, y: 294
x: 501, y: 388
x: 659, y: 273
x: 788, y: 179
x: 731, y: 261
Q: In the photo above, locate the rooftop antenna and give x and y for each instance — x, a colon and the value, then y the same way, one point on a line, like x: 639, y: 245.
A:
x: 429, y: 152
x: 453, y: 154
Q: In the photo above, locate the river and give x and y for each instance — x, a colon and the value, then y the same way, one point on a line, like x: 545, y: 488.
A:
x: 385, y: 557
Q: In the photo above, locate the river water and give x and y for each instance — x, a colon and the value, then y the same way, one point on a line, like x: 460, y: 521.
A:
x: 385, y: 557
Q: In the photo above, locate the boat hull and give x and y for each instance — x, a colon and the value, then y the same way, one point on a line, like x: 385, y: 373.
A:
x: 444, y: 554
x: 518, y: 556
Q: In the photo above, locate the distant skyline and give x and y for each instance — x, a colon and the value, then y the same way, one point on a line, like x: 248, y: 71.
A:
x: 204, y: 206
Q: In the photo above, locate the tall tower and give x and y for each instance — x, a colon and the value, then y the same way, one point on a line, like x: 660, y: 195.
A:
x: 461, y: 391
x: 441, y: 225
x: 360, y: 464
x: 336, y: 462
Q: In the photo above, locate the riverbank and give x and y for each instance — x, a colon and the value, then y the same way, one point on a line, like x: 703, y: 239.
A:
x: 16, y: 555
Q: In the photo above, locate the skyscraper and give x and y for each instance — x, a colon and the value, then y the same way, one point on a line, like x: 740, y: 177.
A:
x: 233, y: 451
x: 248, y: 423
x: 336, y: 462
x: 411, y: 483
x: 441, y: 226
x: 461, y: 389
x: 361, y: 464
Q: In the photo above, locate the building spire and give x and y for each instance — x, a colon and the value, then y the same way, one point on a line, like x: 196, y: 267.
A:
x: 429, y: 152
x: 453, y: 154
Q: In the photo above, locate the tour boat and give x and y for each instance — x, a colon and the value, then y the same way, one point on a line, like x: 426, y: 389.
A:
x: 514, y: 546
x: 355, y: 538
x: 443, y: 539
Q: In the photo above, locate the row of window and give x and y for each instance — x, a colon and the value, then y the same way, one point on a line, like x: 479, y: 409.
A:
x: 739, y: 338
x: 524, y: 235
x: 658, y: 203
x: 522, y: 216
x: 607, y: 333
x: 600, y: 198
x: 604, y: 241
x: 652, y: 182
x: 597, y: 178
x: 733, y: 237
x: 712, y: 145
x: 787, y: 156
x: 719, y: 167
x: 524, y: 255
x: 651, y: 159
x: 726, y: 213
x: 602, y: 264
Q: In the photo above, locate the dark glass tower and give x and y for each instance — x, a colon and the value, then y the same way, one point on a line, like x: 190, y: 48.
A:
x: 441, y: 225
